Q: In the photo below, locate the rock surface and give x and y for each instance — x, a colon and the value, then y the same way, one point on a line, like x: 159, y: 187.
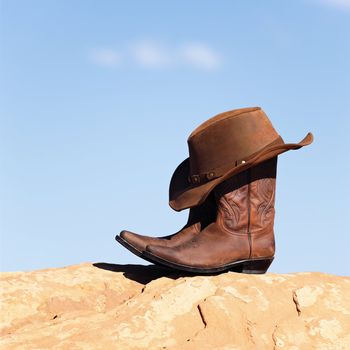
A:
x: 104, y: 306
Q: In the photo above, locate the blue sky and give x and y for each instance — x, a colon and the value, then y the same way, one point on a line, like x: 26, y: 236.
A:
x: 97, y: 100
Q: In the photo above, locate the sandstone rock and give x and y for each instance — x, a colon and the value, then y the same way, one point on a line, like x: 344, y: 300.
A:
x: 104, y: 306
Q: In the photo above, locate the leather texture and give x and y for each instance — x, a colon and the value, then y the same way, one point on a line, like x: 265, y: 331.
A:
x: 221, y: 147
x: 199, y: 217
x: 243, y: 229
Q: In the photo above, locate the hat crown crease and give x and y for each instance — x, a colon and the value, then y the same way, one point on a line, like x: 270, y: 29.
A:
x: 228, y: 140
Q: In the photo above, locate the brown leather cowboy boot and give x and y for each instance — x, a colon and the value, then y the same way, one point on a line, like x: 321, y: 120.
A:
x: 241, y: 238
x: 198, y: 218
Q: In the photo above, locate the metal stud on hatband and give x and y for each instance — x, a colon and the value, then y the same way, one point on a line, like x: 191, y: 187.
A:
x: 210, y: 175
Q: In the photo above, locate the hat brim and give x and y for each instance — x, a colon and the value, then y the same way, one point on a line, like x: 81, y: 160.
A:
x: 183, y: 195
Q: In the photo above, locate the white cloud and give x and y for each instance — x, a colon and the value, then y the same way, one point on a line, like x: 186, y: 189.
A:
x: 150, y: 54
x: 106, y: 57
x: 154, y: 55
x: 201, y: 56
x: 341, y: 4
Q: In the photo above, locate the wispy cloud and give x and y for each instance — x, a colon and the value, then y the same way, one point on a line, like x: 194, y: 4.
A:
x: 154, y: 55
x: 341, y: 4
x: 201, y: 56
x: 151, y: 54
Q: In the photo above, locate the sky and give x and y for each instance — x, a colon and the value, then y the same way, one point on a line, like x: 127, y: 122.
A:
x: 97, y: 99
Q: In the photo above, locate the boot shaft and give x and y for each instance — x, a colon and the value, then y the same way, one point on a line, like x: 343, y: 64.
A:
x: 246, y: 206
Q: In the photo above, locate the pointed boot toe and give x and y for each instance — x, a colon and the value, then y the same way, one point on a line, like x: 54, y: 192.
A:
x: 132, y: 241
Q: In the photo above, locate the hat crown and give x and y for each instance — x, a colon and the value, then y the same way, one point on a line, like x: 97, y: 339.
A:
x: 227, y: 139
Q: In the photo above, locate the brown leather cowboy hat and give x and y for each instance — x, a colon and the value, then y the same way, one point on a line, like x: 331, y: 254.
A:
x: 221, y: 147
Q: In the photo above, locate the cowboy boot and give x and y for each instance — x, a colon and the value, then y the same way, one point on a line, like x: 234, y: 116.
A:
x: 241, y: 238
x: 198, y: 218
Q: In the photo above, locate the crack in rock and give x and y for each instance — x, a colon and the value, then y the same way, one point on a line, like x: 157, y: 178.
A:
x: 202, y: 315
x: 296, y: 302
x: 249, y: 330
x: 277, y: 342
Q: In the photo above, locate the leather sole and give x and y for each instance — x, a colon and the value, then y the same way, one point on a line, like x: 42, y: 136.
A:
x: 248, y: 266
x: 128, y: 246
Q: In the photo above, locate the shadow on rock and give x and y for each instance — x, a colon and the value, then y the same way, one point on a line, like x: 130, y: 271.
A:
x: 140, y: 273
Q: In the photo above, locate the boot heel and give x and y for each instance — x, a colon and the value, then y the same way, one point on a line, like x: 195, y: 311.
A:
x: 256, y: 266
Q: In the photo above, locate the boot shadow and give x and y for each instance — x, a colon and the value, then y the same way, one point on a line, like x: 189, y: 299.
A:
x: 140, y: 273
x: 146, y: 273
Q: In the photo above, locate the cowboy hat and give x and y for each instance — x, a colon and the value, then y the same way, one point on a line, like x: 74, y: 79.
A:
x: 221, y: 147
